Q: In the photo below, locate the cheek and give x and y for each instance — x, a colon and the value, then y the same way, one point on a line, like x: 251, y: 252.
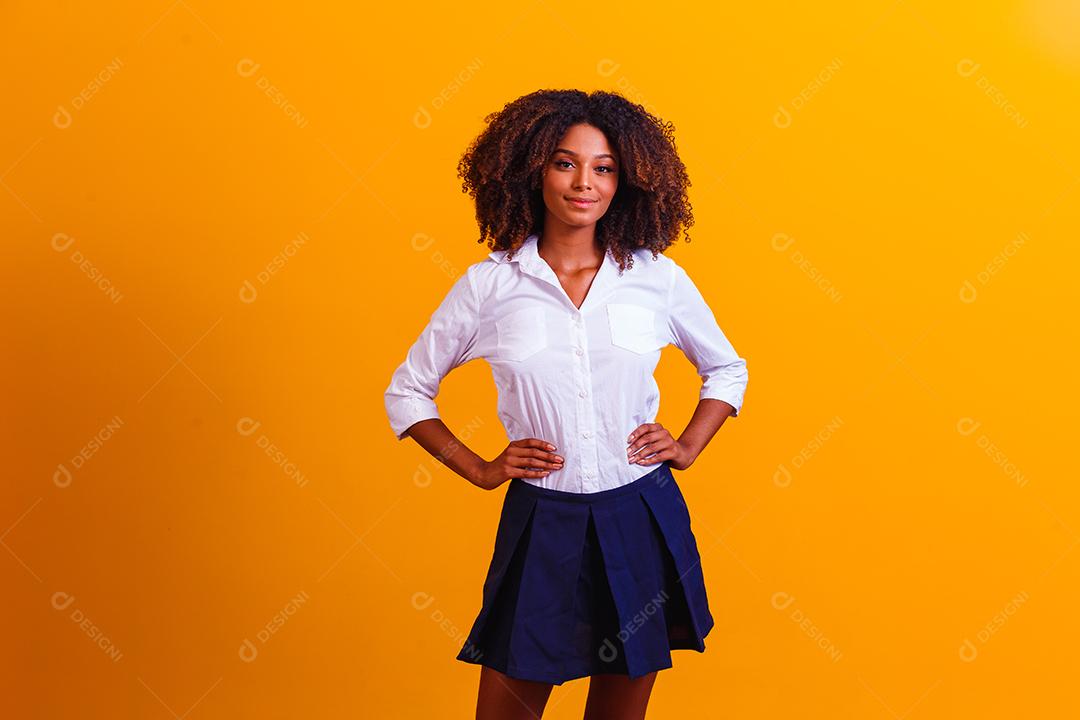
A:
x: 552, y: 188
x: 551, y: 196
x: 610, y: 186
x: 609, y: 192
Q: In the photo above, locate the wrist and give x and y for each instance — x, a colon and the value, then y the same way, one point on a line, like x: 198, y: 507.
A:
x: 688, y: 453
x: 474, y: 471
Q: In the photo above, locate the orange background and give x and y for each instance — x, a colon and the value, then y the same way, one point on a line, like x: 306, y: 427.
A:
x: 223, y: 227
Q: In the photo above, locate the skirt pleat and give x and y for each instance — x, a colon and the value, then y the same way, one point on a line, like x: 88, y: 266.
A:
x: 546, y: 600
x: 587, y: 584
x: 690, y: 620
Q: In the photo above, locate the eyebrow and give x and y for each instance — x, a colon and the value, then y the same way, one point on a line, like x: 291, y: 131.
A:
x: 574, y: 154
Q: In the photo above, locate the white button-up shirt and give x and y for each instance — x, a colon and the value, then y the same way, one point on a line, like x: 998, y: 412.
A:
x: 581, y: 379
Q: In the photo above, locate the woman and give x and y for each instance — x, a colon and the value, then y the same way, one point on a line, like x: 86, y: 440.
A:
x: 595, y: 570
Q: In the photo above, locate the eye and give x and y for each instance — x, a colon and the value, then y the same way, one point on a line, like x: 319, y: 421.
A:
x: 562, y: 162
x: 605, y: 167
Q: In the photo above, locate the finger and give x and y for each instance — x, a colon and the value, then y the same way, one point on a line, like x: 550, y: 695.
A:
x: 654, y: 453
x: 519, y: 466
x: 527, y: 469
x: 635, y: 433
x: 536, y: 443
x: 643, y: 429
x: 535, y: 447
x: 660, y: 444
x: 535, y: 460
x: 540, y: 444
x: 650, y: 437
x: 660, y: 456
x: 538, y: 459
x: 549, y: 459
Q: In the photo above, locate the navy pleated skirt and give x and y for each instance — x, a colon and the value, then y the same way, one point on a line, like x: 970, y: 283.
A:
x: 596, y: 583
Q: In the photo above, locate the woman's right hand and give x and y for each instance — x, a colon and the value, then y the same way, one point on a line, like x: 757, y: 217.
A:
x: 525, y: 458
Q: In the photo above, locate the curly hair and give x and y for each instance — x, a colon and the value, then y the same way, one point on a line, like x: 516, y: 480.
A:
x: 502, y: 169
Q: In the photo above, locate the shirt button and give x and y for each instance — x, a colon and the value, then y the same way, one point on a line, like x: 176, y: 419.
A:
x: 586, y: 434
x: 579, y: 351
x: 583, y: 393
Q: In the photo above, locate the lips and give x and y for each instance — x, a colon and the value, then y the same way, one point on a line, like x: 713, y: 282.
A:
x: 581, y: 202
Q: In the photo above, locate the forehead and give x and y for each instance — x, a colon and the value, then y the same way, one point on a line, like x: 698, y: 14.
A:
x: 585, y: 140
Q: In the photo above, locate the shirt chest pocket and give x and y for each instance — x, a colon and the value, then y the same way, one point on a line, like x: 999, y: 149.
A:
x: 633, y: 328
x: 521, y: 334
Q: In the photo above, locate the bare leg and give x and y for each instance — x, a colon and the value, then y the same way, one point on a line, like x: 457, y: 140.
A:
x: 506, y: 698
x: 617, y: 696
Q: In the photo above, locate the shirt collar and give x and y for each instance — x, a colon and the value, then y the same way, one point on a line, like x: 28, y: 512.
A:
x: 527, y: 248
x: 530, y: 262
x: 528, y: 255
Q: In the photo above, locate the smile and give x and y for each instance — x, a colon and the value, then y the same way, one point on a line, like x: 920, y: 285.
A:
x: 581, y: 203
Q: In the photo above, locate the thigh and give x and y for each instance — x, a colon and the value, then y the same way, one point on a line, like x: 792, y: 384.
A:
x: 506, y: 698
x: 617, y: 696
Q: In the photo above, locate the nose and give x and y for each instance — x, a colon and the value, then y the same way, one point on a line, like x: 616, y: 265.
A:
x: 581, y: 179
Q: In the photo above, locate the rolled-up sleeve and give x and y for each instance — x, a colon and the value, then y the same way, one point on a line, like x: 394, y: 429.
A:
x: 694, y: 330
x: 448, y: 340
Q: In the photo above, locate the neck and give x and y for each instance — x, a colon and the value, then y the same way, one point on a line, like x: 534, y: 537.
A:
x: 563, y: 246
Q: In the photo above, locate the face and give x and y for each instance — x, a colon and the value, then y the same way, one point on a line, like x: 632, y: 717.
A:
x: 583, y: 167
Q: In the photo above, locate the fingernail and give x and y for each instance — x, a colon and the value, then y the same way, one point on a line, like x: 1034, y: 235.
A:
x: 550, y: 447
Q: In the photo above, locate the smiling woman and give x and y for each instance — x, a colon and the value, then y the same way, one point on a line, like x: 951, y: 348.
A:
x: 585, y: 182
x: 553, y: 139
x: 595, y: 570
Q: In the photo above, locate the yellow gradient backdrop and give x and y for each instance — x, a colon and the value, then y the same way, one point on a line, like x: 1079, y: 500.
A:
x: 223, y: 225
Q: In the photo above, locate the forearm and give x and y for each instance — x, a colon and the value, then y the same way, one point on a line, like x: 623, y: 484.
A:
x: 708, y: 417
x: 433, y: 435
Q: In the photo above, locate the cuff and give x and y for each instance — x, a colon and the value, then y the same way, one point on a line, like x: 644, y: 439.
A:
x: 403, y: 413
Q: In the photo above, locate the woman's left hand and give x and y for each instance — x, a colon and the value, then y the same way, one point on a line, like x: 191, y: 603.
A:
x: 652, y: 443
